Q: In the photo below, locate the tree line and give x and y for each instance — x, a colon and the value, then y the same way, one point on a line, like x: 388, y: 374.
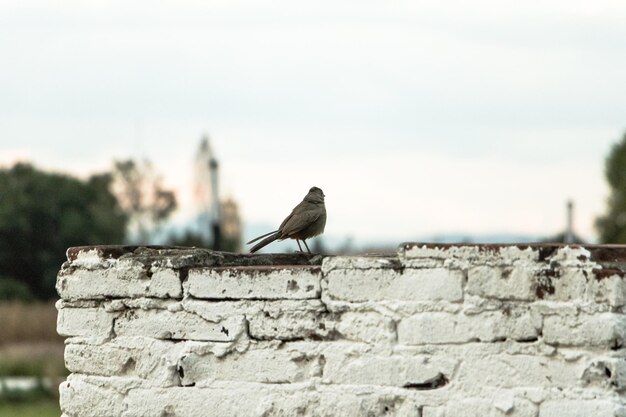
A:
x: 43, y: 213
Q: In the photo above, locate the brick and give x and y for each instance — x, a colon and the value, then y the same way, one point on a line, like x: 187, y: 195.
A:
x: 143, y: 358
x: 271, y: 283
x: 606, y: 330
x: 295, y: 320
x: 433, y: 411
x: 504, y: 370
x: 261, y: 400
x: 430, y: 284
x: 581, y: 408
x: 194, y: 402
x: 265, y: 363
x: 476, y: 254
x: 606, y: 372
x: 178, y: 325
x: 567, y: 284
x: 504, y: 283
x: 88, y: 258
x: 610, y: 289
x: 524, y: 283
x: 280, y: 319
x: 504, y: 405
x: 77, y: 284
x: 165, y: 283
x: 331, y: 263
x: 412, y: 372
x: 93, y: 322
x: 367, y: 326
x: 80, y: 398
x: 440, y: 328
x: 127, y: 281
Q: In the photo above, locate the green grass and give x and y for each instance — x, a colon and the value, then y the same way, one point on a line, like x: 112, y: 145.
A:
x: 43, y: 408
x: 33, y: 367
x: 39, y: 392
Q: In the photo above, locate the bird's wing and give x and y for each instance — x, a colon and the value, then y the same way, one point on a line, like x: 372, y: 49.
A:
x: 300, y: 208
x: 287, y: 219
x: 298, y: 221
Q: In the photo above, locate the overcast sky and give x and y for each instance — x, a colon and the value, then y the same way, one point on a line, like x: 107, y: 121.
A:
x: 415, y: 118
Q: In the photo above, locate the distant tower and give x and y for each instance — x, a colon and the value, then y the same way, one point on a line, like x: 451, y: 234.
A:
x: 231, y: 226
x: 206, y: 193
x: 569, y: 230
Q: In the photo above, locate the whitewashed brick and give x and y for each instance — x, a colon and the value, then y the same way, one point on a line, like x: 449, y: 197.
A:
x: 265, y: 363
x: 388, y: 284
x: 269, y: 283
x: 194, y: 402
x: 571, y: 256
x: 127, y: 280
x: 606, y: 372
x: 368, y: 327
x: 89, y: 258
x: 92, y: 322
x: 127, y: 357
x: 568, y: 283
x: 165, y: 283
x: 477, y: 254
x: 581, y: 408
x: 412, y: 372
x: 503, y: 370
x: 438, y: 328
x: 79, y: 398
x: 177, y: 325
x: 331, y: 263
x: 504, y: 405
x: 528, y: 283
x: 504, y: 282
x: 236, y: 401
x: 428, y: 411
x: 610, y: 289
x: 291, y: 320
x: 605, y: 329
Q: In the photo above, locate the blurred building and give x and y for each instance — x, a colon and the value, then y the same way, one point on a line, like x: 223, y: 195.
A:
x: 230, y: 223
x: 217, y: 221
x: 568, y: 236
x: 205, y: 191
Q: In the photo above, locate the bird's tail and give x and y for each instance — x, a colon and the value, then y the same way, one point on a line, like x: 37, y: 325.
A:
x: 261, y: 237
x: 269, y: 239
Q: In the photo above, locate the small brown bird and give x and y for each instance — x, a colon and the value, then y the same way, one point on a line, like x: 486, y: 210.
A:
x: 306, y: 220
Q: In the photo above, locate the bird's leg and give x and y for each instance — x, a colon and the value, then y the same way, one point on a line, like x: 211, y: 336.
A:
x: 307, y: 246
x: 299, y: 247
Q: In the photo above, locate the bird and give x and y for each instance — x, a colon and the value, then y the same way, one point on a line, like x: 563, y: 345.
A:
x: 306, y: 220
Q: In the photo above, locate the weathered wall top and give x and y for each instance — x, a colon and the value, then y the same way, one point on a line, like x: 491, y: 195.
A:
x: 181, y: 257
x: 432, y: 331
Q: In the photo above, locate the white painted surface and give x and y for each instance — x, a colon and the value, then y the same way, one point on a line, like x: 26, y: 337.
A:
x: 434, y: 332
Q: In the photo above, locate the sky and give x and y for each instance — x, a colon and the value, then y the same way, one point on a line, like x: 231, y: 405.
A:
x: 416, y: 118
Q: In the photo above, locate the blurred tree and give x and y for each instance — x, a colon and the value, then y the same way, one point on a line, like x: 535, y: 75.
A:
x: 612, y: 226
x: 139, y: 191
x: 188, y: 238
x: 318, y: 246
x: 191, y: 238
x: 11, y: 289
x: 42, y: 214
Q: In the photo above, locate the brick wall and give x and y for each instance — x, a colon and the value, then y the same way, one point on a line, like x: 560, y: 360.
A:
x: 447, y: 331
